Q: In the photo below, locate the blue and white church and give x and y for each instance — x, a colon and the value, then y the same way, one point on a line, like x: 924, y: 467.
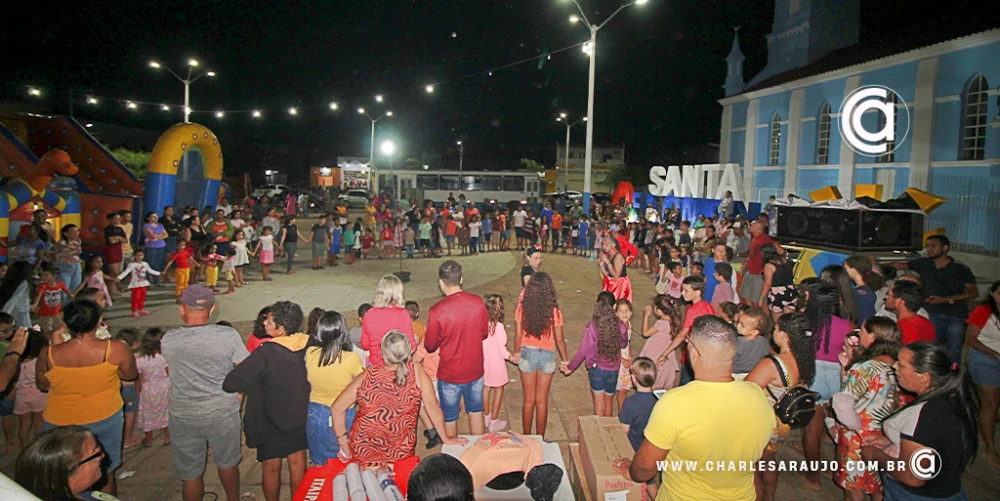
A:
x: 782, y: 126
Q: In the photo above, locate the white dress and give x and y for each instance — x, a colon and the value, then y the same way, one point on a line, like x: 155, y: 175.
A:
x: 242, y: 256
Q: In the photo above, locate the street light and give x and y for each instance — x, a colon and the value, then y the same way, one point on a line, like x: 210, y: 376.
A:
x: 130, y: 105
x: 192, y: 64
x: 429, y: 89
x: 388, y: 149
x: 293, y: 111
x: 334, y: 106
x: 362, y: 111
x: 562, y: 118
x: 35, y: 92
x: 255, y: 114
x: 91, y: 100
x: 591, y: 50
x: 219, y: 114
x: 378, y: 98
x: 461, y: 155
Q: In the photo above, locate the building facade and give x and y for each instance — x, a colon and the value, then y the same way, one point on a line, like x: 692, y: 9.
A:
x: 783, y: 126
x: 570, y: 176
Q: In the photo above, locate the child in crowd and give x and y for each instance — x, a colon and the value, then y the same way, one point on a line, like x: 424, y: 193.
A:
x: 130, y: 393
x: 667, y: 313
x: 258, y: 335
x: 600, y: 348
x: 7, y: 395
x: 674, y: 279
x: 355, y: 335
x: 358, y: 235
x: 241, y: 257
x: 574, y: 237
x: 94, y: 278
x: 485, y: 244
x: 419, y: 329
x: 623, y: 308
x: 336, y: 234
x: 265, y: 245
x: 635, y: 412
x: 367, y: 242
x: 592, y: 237
x: 409, y: 240
x: 495, y: 370
x: 388, y: 249
x: 229, y: 269
x: 313, y: 319
x: 153, y: 386
x: 212, y: 258
x: 724, y: 292
x: 139, y: 283
x: 728, y: 311
x: 349, y: 238
x: 319, y: 241
x: 752, y: 345
x: 182, y: 274
x: 425, y: 236
x: 29, y: 402
x: 48, y: 303
x: 697, y: 269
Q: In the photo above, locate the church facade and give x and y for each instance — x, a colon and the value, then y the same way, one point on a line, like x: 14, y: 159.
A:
x: 783, y: 125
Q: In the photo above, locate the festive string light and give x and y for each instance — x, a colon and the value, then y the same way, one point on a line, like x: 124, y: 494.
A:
x: 333, y: 106
x: 130, y: 105
x: 35, y: 92
x: 91, y: 100
x: 256, y: 113
x: 219, y: 114
x: 429, y: 89
x: 378, y: 98
x: 293, y: 111
x: 165, y: 108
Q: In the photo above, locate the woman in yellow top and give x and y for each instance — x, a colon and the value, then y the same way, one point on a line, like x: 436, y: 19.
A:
x: 370, y: 213
x: 83, y: 377
x: 331, y: 366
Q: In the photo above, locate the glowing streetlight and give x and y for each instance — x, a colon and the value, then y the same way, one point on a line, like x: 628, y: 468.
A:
x: 255, y: 114
x: 562, y: 118
x: 130, y: 105
x: 429, y: 89
x: 461, y: 154
x: 35, y: 92
x: 293, y: 111
x: 165, y: 108
x: 362, y: 111
x: 378, y: 98
x: 89, y: 125
x: 574, y: 19
x: 91, y: 100
x: 219, y: 114
x: 187, y: 81
x: 388, y: 147
x: 388, y: 113
x: 334, y: 106
x: 590, y: 49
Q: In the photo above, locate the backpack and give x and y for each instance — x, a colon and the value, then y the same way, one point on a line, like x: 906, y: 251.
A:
x: 798, y: 405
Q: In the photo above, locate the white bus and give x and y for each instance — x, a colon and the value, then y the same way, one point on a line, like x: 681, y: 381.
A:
x: 477, y: 186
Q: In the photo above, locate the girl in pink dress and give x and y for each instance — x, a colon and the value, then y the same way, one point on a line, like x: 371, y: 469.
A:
x: 495, y: 370
x: 153, y: 386
x: 667, y: 312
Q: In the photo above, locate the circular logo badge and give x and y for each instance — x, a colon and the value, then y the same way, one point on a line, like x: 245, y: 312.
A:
x: 883, y: 101
x: 925, y: 463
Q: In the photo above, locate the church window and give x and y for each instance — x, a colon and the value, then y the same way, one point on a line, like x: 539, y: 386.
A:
x: 775, y: 149
x: 823, y: 137
x: 974, y: 123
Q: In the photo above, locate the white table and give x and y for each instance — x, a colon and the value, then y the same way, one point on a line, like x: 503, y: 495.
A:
x: 551, y: 454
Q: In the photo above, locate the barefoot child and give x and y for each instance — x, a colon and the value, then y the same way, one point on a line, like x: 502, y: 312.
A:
x: 48, y: 303
x: 229, y: 269
x: 667, y: 314
x: 635, y: 413
x: 182, y: 275
x: 130, y: 393
x: 138, y: 284
x: 623, y: 308
x: 265, y: 245
x: 153, y: 386
x: 494, y: 354
x: 29, y: 402
x: 601, y: 345
x: 211, y: 259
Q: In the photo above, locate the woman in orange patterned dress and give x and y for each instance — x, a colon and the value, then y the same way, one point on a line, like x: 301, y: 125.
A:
x: 389, y: 399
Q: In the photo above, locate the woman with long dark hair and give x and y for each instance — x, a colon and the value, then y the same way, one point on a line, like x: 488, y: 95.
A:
x: 538, y: 335
x: 838, y: 276
x: 868, y: 394
x: 603, y: 339
x: 829, y: 329
x: 942, y: 418
x: 61, y: 464
x: 865, y: 282
x: 614, y: 273
x: 983, y: 337
x: 15, y: 293
x: 331, y: 366
x: 778, y: 295
x: 795, y: 363
x: 532, y: 263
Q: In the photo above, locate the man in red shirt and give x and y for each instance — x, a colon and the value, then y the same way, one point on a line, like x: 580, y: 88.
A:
x: 457, y: 325
x: 693, y: 291
x: 753, y: 274
x: 904, y: 299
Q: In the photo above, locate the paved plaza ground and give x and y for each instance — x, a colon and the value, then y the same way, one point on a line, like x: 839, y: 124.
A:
x: 343, y: 288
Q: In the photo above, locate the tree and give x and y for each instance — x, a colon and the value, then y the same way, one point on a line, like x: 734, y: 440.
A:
x: 135, y: 161
x: 615, y: 175
x: 530, y: 165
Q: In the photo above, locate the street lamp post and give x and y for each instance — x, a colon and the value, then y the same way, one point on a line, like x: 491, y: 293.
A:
x: 594, y: 28
x: 562, y: 118
x: 362, y: 111
x: 191, y: 65
x: 461, y: 155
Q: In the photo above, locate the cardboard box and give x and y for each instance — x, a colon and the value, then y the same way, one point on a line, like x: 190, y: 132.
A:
x: 602, y: 440
x: 577, y: 478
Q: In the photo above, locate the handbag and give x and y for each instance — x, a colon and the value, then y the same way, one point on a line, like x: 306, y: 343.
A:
x: 797, y: 406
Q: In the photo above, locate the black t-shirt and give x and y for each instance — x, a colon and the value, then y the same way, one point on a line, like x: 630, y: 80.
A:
x: 113, y: 231
x: 949, y: 280
x: 291, y: 233
x: 318, y: 233
x: 171, y: 225
x: 526, y: 271
x: 935, y: 424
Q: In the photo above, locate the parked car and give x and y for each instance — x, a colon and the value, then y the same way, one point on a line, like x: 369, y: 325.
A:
x: 355, y: 198
x: 270, y: 191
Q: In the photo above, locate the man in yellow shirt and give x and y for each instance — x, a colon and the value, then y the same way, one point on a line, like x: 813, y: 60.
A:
x: 707, y: 435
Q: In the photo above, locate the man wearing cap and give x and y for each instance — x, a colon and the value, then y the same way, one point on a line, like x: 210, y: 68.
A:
x: 200, y: 355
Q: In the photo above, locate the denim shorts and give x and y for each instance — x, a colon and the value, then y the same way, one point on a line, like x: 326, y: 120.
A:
x: 6, y: 407
x: 827, y: 380
x: 602, y: 380
x: 108, y: 433
x: 450, y: 395
x: 320, y: 436
x: 984, y: 369
x: 130, y: 397
x: 536, y: 359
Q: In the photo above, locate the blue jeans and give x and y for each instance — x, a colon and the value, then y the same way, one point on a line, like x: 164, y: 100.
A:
x: 950, y: 333
x: 320, y: 436
x: 155, y: 259
x: 108, y: 433
x: 894, y: 491
x: 409, y: 250
x: 450, y: 395
x: 474, y: 244
x: 71, y: 275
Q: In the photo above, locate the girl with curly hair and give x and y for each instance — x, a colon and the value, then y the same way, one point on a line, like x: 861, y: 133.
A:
x: 603, y: 339
x: 667, y: 314
x: 539, y: 333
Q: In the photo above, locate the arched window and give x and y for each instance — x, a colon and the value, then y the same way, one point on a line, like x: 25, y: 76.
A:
x: 889, y: 156
x: 974, y: 122
x: 823, y: 136
x: 774, y: 156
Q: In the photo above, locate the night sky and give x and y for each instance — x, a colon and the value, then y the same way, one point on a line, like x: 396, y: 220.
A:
x: 660, y: 68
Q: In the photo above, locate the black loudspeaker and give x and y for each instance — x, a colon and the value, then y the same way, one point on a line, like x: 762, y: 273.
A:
x: 850, y: 229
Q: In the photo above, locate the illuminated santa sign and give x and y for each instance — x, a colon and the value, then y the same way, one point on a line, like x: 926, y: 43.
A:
x: 696, y: 181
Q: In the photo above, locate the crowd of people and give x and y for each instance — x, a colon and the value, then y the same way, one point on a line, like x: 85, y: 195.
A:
x: 735, y: 354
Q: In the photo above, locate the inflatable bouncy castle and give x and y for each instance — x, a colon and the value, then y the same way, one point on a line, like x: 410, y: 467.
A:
x: 22, y: 196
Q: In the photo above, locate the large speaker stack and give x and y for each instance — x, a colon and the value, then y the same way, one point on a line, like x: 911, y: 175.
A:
x: 851, y: 229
